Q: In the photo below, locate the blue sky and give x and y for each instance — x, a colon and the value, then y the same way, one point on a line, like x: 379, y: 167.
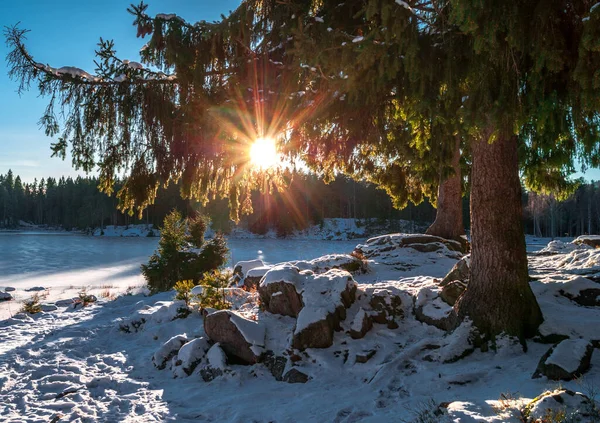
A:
x: 65, y: 33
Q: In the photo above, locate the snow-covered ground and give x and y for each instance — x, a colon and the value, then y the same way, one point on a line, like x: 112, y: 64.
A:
x: 80, y: 365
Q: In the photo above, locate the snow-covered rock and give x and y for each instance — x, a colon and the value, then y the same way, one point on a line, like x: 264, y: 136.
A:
x: 168, y: 350
x: 583, y: 291
x: 562, y: 405
x: 5, y: 296
x: 216, y: 364
x: 451, y: 291
x: 460, y: 272
x: 280, y: 290
x: 189, y: 356
x: 432, y: 310
x: 160, y: 312
x: 241, y: 268
x: 419, y: 242
x: 253, y: 277
x: 346, y: 262
x: 325, y: 299
x: 591, y: 240
x: 240, y: 338
x: 386, y: 304
x: 567, y: 360
x: 361, y: 324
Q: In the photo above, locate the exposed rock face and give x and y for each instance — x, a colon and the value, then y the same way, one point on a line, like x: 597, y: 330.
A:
x: 168, y: 350
x: 216, y: 363
x: 562, y: 404
x: 241, y: 339
x: 451, y: 291
x: 361, y: 324
x: 567, y: 360
x: 460, y: 272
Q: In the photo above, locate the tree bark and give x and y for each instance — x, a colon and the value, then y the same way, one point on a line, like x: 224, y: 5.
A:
x: 449, y: 217
x: 498, y: 297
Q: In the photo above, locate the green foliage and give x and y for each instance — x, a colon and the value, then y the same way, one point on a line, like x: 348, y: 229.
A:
x: 182, y: 291
x: 214, y: 284
x: 173, y: 261
x: 32, y: 305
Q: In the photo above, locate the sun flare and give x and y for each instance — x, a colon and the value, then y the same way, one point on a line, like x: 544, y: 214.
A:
x: 263, y: 153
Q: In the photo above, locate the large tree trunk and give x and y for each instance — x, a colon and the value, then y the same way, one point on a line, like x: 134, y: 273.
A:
x: 449, y: 217
x: 498, y: 298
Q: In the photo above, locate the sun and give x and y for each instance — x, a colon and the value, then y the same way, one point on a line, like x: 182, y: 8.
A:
x: 263, y: 153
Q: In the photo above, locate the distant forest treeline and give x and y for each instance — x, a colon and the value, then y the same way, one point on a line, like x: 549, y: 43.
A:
x: 77, y: 204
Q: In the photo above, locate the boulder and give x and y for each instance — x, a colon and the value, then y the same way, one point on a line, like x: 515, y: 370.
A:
x: 49, y: 307
x: 216, y: 363
x: 276, y: 364
x: 35, y: 289
x: 167, y: 351
x: 5, y: 296
x: 386, y: 306
x: 326, y: 298
x: 254, y: 276
x: 241, y: 339
x: 241, y: 268
x: 280, y: 290
x: 567, y: 360
x: 451, y: 291
x: 348, y: 262
x: 460, y: 272
x: 295, y: 376
x: 562, y: 405
x: 430, y: 309
x: 10, y: 289
x: 365, y: 356
x: 591, y: 240
x: 189, y: 356
x: 374, y: 247
x: 361, y: 324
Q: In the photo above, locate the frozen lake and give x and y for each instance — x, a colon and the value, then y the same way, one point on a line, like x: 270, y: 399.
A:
x: 40, y: 258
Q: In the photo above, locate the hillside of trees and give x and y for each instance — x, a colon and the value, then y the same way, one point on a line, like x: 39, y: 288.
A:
x: 78, y: 204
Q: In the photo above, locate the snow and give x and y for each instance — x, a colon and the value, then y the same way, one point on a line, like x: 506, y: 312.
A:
x: 245, y: 266
x: 568, y: 354
x: 81, y: 365
x: 216, y: 357
x: 357, y: 39
x: 252, y: 331
x: 594, y: 7
x: 357, y: 322
x: 168, y: 350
